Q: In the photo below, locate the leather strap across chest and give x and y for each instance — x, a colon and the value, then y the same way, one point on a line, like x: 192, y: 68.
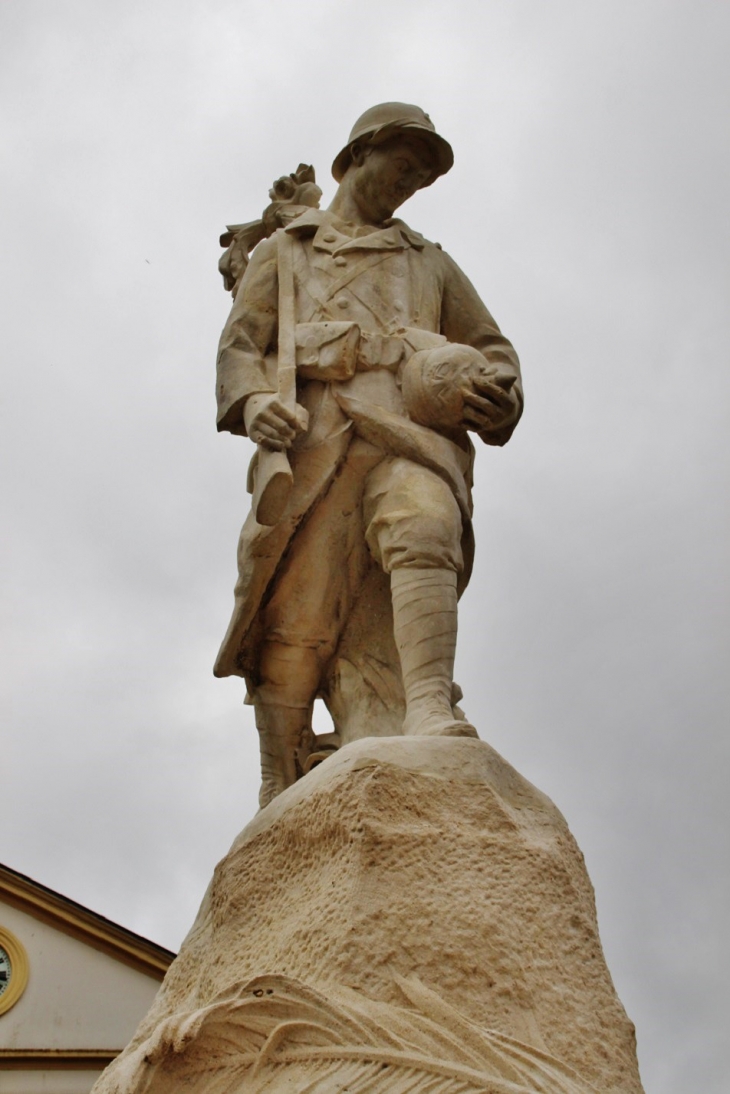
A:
x: 323, y: 295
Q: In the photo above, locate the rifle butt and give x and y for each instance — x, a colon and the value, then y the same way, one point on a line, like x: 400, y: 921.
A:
x: 273, y: 486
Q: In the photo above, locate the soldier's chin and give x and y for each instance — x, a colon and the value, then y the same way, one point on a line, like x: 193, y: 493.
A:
x: 393, y: 199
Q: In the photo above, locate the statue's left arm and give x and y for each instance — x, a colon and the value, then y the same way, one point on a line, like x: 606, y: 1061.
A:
x: 466, y: 321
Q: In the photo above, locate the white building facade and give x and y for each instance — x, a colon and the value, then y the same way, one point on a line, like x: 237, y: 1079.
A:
x: 73, y: 988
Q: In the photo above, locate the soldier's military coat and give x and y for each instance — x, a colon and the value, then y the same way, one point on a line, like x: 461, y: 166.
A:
x: 403, y: 294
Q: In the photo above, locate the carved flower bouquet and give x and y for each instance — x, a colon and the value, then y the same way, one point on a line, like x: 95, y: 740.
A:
x: 291, y: 195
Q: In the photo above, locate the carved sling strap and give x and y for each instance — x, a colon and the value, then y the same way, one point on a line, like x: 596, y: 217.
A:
x: 274, y: 479
x: 287, y: 359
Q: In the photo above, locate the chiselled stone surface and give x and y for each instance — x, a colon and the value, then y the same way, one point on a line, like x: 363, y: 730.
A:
x: 413, y: 915
x: 361, y: 361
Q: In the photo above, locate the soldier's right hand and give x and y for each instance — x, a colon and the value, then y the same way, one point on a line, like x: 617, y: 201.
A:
x: 272, y: 424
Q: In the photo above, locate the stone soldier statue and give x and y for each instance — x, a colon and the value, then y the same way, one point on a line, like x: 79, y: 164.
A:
x: 358, y: 357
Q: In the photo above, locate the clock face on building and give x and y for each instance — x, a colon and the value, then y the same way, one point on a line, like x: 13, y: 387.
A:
x: 13, y: 969
x: 6, y: 970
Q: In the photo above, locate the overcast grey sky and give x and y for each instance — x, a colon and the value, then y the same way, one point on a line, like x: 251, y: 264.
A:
x: 588, y: 203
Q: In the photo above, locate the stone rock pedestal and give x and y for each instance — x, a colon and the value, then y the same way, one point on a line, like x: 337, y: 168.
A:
x: 412, y: 916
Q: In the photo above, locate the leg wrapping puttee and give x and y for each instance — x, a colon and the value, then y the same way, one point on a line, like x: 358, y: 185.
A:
x: 283, y: 735
x: 425, y: 623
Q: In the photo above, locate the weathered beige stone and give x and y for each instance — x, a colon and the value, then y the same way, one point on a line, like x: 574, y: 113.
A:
x: 359, y: 359
x: 413, y: 916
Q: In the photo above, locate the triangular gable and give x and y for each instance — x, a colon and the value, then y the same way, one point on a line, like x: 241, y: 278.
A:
x: 79, y: 922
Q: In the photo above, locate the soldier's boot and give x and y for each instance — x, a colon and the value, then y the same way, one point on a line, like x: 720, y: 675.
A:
x: 425, y: 619
x: 284, y: 734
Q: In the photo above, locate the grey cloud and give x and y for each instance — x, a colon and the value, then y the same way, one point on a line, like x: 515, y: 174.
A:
x: 587, y: 204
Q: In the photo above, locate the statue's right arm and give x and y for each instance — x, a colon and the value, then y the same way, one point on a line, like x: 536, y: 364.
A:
x: 248, y: 336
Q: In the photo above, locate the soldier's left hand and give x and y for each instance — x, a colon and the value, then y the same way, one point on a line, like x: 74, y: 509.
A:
x: 488, y: 401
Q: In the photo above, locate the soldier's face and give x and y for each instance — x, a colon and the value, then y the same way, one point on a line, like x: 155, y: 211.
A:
x: 391, y: 172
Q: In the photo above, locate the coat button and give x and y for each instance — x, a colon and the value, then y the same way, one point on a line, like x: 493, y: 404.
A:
x: 340, y: 260
x: 329, y: 237
x: 342, y: 302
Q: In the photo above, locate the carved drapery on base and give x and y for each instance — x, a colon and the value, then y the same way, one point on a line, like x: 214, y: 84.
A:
x: 413, y: 916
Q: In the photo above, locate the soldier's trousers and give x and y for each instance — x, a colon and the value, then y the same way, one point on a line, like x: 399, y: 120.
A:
x: 379, y: 507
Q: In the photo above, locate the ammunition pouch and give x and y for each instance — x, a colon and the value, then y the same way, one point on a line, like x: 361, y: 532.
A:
x: 327, y: 351
x: 334, y: 351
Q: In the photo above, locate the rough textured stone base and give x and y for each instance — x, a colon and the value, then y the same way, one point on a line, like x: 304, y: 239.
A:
x: 411, y: 916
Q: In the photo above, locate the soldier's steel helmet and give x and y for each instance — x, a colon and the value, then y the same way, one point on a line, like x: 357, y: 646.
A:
x: 381, y: 122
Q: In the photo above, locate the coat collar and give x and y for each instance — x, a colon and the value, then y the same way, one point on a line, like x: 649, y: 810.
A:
x: 333, y: 236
